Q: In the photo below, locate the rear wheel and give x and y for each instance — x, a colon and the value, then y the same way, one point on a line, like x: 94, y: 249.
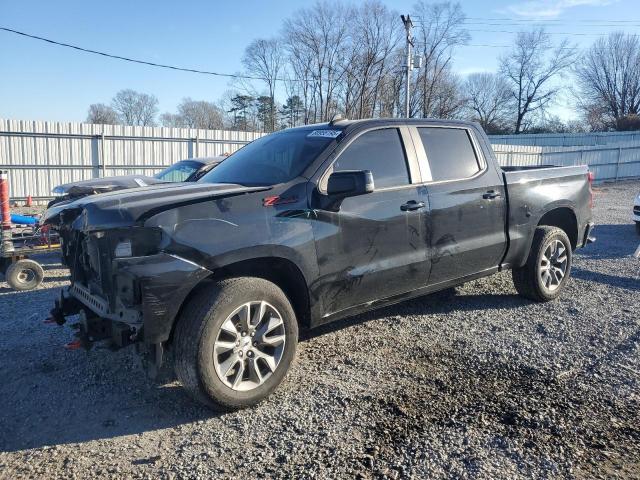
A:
x: 235, y: 342
x: 548, y: 266
x: 24, y: 274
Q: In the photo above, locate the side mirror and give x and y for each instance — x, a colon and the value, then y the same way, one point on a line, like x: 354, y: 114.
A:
x: 350, y: 183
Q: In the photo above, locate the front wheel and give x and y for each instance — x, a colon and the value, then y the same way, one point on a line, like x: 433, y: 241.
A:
x: 548, y: 266
x: 234, y: 342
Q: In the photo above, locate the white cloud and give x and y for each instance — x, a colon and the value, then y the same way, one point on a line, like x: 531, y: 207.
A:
x: 550, y: 8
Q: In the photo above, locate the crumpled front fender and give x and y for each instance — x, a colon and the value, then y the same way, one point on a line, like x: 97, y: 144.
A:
x: 164, y: 281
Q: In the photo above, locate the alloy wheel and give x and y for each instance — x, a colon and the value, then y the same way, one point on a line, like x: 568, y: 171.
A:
x: 249, y: 346
x: 553, y: 265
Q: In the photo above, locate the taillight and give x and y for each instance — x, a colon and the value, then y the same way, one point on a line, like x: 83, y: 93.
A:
x: 590, y: 177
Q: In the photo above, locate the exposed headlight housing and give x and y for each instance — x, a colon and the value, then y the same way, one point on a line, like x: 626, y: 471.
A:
x: 132, y: 241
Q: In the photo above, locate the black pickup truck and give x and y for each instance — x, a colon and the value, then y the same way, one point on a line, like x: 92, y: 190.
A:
x: 302, y: 227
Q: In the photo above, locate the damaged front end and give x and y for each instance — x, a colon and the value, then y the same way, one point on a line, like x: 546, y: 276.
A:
x: 125, y: 288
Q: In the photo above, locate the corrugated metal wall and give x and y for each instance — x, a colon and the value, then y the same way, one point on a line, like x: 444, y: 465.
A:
x: 41, y: 155
x: 606, y: 162
x: 566, y: 139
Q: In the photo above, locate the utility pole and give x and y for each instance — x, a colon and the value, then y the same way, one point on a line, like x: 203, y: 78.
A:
x: 408, y: 25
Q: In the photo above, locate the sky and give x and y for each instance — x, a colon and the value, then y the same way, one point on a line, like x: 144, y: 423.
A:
x: 39, y: 81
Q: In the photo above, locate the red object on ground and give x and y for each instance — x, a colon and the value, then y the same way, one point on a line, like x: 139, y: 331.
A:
x: 29, y: 201
x: 4, y: 200
x: 75, y: 345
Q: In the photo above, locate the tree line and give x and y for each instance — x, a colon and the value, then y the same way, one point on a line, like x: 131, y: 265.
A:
x: 334, y: 58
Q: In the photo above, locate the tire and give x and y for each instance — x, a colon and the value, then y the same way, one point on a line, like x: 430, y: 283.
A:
x: 4, y: 264
x: 24, y: 274
x: 530, y: 280
x: 638, y: 228
x: 200, y: 326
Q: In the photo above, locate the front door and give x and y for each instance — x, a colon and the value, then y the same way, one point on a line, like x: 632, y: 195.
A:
x: 374, y: 246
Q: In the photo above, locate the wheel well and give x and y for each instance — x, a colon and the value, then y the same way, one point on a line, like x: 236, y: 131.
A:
x: 565, y: 219
x: 284, y: 273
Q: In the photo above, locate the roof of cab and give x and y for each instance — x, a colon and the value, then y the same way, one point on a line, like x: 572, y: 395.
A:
x: 347, y: 124
x: 400, y: 121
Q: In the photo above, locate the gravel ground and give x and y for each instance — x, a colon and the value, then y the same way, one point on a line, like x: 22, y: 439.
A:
x: 482, y: 384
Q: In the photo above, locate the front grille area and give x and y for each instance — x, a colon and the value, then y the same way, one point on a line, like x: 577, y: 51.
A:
x: 636, y: 210
x: 99, y: 306
x: 89, y: 262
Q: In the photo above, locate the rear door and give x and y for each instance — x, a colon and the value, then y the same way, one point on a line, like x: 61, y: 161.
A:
x: 466, y: 224
x: 375, y: 246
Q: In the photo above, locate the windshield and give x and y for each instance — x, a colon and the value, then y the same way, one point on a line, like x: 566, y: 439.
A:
x: 273, y: 159
x: 179, y: 172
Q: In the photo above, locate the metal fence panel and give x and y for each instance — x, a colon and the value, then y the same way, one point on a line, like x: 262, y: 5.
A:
x: 40, y: 155
x: 606, y: 162
x: 566, y: 139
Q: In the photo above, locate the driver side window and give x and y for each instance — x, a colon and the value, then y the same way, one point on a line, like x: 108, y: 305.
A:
x: 380, y: 151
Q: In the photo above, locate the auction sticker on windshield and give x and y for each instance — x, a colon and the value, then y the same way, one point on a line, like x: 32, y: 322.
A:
x: 325, y: 133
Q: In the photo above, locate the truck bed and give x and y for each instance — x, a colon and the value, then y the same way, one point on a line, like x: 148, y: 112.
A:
x: 532, y: 189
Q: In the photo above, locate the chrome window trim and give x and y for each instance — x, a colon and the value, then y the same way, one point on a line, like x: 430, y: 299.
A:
x: 425, y: 166
x: 411, y: 160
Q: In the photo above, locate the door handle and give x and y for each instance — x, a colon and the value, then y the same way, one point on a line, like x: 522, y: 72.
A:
x: 412, y: 205
x: 490, y: 195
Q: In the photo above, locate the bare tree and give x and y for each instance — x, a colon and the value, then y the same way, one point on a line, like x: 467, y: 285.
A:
x: 390, y: 88
x: 439, y: 31
x: 195, y: 114
x: 102, y: 114
x: 375, y: 37
x: 448, y: 100
x: 319, y: 35
x: 298, y: 78
x: 174, y: 120
x: 488, y: 101
x: 135, y: 108
x: 530, y: 69
x: 608, y: 77
x: 263, y: 59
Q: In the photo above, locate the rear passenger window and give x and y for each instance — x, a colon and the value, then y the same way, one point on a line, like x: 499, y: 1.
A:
x: 380, y: 151
x: 450, y: 153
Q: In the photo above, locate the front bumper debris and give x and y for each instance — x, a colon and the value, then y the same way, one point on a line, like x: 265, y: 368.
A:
x: 147, y: 295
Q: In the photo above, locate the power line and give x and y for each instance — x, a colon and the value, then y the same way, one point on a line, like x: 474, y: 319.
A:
x: 578, y: 34
x: 554, y: 25
x: 501, y: 22
x: 550, y: 20
x: 490, y: 45
x: 133, y: 60
x: 543, y: 25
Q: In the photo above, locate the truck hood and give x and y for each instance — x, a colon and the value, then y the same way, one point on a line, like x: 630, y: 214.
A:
x: 102, y: 185
x: 125, y: 208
